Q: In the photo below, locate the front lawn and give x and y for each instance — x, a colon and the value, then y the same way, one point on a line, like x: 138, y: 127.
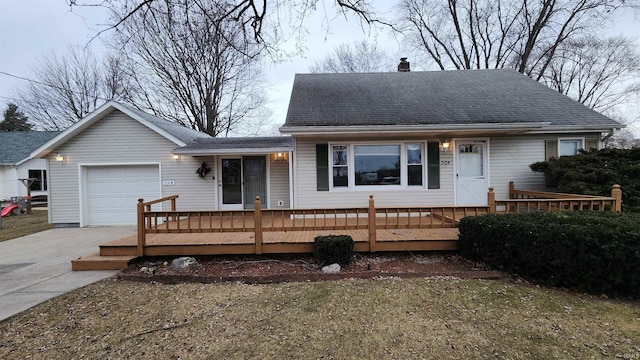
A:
x: 20, y: 225
x: 438, y: 318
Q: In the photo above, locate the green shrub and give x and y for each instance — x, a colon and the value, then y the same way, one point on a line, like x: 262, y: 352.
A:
x: 590, y: 251
x: 332, y: 249
x: 595, y: 172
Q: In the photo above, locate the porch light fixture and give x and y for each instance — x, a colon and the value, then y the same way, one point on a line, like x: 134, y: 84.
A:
x: 280, y: 157
x: 445, y: 144
x: 176, y: 157
x: 59, y: 158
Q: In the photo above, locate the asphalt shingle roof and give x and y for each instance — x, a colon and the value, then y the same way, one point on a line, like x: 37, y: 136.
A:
x: 432, y: 98
x: 180, y: 132
x: 18, y: 145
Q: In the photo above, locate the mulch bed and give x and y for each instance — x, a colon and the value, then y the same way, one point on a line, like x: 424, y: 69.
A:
x: 289, y: 268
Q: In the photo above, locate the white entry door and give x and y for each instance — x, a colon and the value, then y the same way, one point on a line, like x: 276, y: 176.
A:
x: 472, y: 182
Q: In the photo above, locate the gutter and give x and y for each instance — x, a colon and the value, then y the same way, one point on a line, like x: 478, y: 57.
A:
x: 234, y: 151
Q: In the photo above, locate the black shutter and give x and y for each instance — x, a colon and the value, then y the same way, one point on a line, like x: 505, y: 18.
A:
x: 433, y: 165
x: 322, y: 167
x: 550, y: 149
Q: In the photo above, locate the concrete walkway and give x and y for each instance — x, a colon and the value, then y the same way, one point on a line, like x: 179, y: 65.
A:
x: 37, y: 267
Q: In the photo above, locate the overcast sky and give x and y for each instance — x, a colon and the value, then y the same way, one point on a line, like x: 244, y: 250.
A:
x: 32, y: 28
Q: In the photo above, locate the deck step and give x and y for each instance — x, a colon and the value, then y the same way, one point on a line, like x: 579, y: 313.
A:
x: 97, y: 262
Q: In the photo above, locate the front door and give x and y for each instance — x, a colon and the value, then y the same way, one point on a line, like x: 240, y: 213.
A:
x: 241, y: 180
x: 472, y: 181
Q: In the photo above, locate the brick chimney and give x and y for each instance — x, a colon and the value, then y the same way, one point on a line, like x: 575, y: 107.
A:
x: 404, y: 65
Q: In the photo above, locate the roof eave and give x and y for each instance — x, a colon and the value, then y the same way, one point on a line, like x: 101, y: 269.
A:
x: 578, y: 128
x: 399, y: 129
x: 233, y: 151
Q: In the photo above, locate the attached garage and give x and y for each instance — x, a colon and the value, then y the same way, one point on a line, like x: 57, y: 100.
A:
x: 100, y: 166
x: 112, y: 192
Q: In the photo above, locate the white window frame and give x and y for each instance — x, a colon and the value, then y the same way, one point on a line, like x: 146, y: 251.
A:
x: 572, y: 139
x: 404, y: 171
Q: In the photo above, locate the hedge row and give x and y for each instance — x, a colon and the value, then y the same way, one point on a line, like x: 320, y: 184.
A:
x: 590, y: 251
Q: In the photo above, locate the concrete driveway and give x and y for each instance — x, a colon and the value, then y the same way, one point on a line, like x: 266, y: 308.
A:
x: 37, y: 267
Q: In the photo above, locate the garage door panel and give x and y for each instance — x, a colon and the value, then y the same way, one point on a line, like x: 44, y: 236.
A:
x: 113, y: 192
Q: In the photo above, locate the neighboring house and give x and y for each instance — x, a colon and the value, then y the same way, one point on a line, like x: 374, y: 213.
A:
x: 15, y: 164
x: 408, y: 138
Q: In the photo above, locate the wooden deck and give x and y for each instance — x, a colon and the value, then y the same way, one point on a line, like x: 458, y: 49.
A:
x: 278, y: 242
x: 179, y: 233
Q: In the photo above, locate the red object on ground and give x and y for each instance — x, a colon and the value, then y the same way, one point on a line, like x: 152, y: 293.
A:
x: 8, y: 210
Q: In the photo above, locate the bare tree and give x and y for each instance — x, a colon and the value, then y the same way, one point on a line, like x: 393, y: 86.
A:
x: 623, y: 139
x: 524, y: 35
x: 361, y: 56
x: 66, y: 88
x: 599, y: 73
x: 263, y: 20
x: 189, y: 67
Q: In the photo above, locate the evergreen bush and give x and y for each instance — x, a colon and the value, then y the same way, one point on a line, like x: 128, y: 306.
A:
x: 595, y: 172
x: 330, y: 249
x: 593, y: 252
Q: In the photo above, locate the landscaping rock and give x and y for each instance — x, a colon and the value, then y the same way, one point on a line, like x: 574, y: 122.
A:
x: 149, y: 270
x: 331, y: 269
x: 184, y: 262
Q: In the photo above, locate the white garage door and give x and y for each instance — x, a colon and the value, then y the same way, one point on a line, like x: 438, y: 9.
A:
x: 113, y: 191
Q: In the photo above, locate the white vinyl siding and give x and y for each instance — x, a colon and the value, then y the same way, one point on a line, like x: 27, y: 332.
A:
x: 9, y: 175
x: 279, y: 183
x: 509, y: 160
x: 307, y: 195
x: 120, y: 140
x: 9, y: 183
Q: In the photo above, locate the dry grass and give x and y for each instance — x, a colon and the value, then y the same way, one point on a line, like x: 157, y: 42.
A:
x: 358, y: 319
x: 20, y: 225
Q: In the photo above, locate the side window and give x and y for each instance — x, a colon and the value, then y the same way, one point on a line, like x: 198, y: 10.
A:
x: 340, y: 165
x: 414, y: 164
x: 569, y: 147
x: 40, y: 180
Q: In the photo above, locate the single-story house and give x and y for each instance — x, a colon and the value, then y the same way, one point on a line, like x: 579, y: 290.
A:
x: 408, y: 138
x: 15, y: 163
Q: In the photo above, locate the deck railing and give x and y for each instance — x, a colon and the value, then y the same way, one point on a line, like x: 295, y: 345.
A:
x: 369, y: 218
x: 521, y: 201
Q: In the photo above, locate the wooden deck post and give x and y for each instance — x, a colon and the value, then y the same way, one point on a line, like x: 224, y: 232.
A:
x: 257, y: 218
x: 491, y: 200
x: 141, y: 228
x: 512, y: 187
x: 372, y: 224
x: 616, y: 194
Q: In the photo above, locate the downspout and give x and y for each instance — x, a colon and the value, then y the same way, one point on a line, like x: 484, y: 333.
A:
x: 606, y: 137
